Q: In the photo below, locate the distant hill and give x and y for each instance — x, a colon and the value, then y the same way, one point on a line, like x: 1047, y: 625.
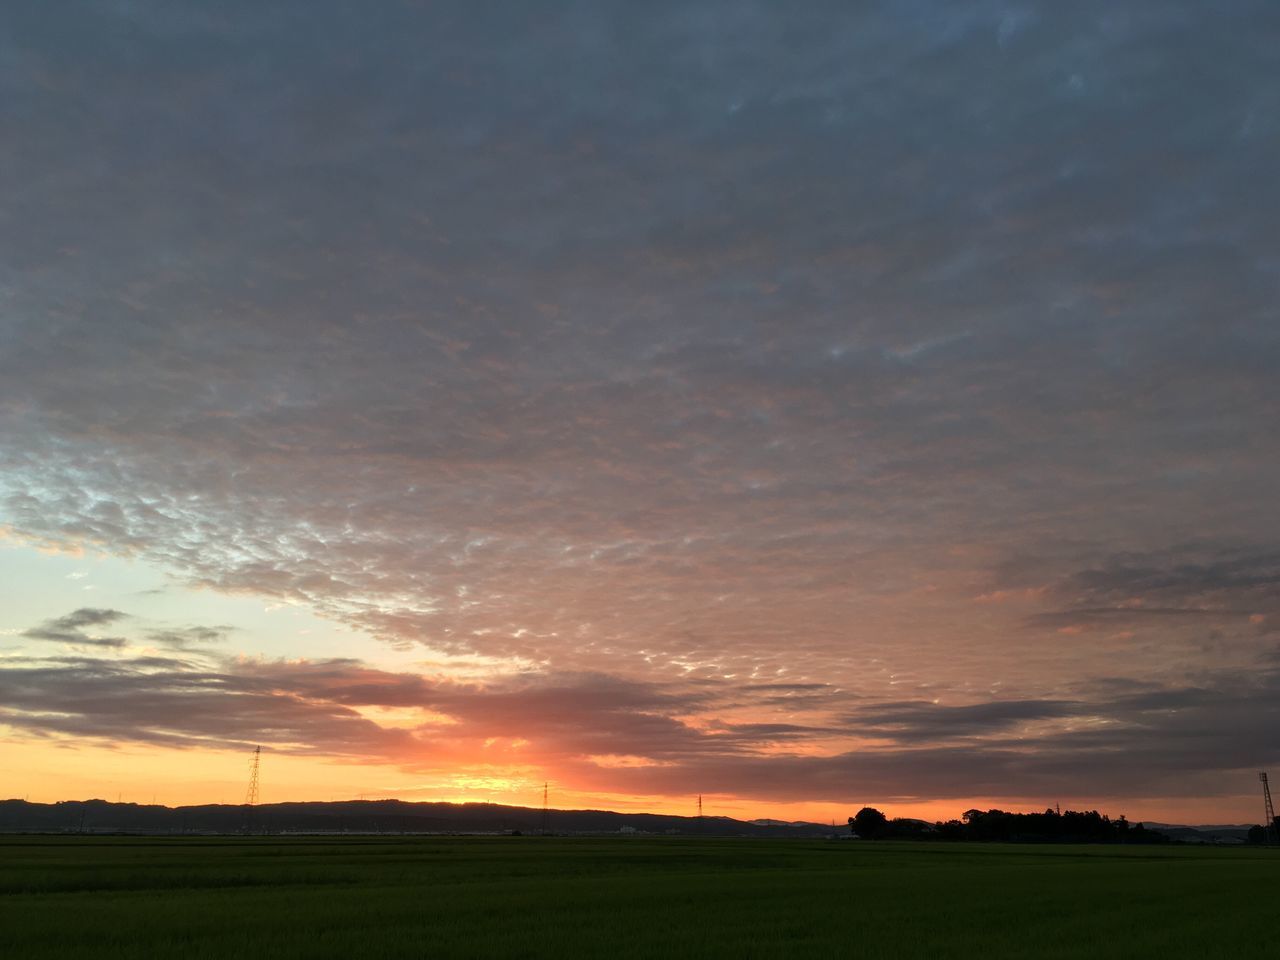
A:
x: 369, y: 816
x: 1207, y: 833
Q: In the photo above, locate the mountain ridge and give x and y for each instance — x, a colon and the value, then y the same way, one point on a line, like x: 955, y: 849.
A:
x: 368, y: 816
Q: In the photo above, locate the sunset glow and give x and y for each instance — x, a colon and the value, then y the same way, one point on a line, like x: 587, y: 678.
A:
x: 453, y: 403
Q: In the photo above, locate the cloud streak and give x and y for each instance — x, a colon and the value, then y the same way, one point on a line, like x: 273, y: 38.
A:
x: 70, y: 629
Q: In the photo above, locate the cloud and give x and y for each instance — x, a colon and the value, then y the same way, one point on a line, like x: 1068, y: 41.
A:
x: 722, y: 342
x: 1164, y: 743
x: 86, y: 617
x: 188, y: 638
x: 70, y: 628
x: 1251, y: 575
x: 1226, y: 588
x: 1111, y: 739
x: 924, y: 721
x: 317, y: 707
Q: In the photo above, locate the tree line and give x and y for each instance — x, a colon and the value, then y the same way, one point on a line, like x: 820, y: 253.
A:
x: 1071, y: 826
x: 1259, y: 834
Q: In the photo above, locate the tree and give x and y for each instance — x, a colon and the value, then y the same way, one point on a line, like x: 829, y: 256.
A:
x: 869, y: 823
x: 1257, y: 834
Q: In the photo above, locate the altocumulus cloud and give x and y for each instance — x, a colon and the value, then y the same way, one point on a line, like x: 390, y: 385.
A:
x: 691, y: 343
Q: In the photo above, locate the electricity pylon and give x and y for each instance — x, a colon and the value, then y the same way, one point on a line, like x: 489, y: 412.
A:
x: 1271, y: 826
x: 251, y: 795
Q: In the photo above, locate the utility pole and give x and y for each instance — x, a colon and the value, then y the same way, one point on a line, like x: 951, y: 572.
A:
x: 546, y: 810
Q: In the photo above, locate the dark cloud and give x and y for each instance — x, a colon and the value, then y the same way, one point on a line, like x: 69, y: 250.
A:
x: 70, y: 628
x: 1223, y: 588
x: 314, y: 707
x: 1163, y: 744
x: 172, y: 704
x: 1238, y: 577
x: 923, y: 721
x: 85, y: 617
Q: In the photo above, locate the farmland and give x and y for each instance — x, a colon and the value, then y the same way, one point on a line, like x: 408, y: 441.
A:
x: 356, y: 897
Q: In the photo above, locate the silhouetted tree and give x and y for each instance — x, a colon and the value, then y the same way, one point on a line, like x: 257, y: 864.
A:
x: 869, y: 823
x: 904, y: 828
x: 1257, y: 834
x: 949, y: 830
x: 1071, y: 826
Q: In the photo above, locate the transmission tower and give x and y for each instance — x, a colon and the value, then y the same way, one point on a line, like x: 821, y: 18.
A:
x: 546, y: 811
x: 699, y: 806
x: 1271, y: 826
x: 251, y: 795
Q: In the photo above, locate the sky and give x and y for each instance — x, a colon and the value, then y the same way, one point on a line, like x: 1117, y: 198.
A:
x: 804, y: 406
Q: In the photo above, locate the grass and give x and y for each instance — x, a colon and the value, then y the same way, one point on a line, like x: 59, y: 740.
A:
x: 368, y: 897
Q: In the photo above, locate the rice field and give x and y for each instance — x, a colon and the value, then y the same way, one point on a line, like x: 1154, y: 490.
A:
x: 365, y: 897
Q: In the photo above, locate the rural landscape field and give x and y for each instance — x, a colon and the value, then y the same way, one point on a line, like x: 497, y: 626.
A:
x: 616, y: 479
x: 547, y: 897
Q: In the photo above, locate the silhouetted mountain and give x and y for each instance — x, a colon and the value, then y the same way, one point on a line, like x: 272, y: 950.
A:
x: 367, y: 816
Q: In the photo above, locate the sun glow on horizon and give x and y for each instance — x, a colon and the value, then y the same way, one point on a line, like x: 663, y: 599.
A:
x: 451, y: 748
x: 48, y: 772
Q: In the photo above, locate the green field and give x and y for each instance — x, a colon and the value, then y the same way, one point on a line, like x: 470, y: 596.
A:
x: 353, y: 897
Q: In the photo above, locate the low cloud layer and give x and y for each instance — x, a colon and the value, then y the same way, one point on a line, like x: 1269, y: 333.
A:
x: 923, y: 351
x: 604, y: 733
